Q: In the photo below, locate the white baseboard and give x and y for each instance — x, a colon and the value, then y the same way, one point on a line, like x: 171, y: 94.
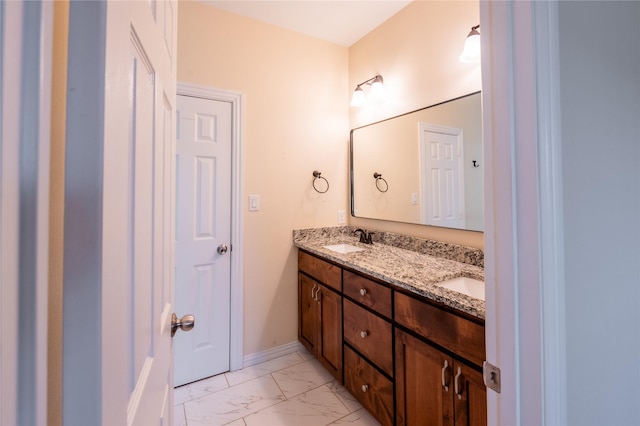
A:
x: 272, y: 353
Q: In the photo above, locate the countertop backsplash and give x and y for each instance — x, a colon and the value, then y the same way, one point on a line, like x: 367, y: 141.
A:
x: 458, y: 253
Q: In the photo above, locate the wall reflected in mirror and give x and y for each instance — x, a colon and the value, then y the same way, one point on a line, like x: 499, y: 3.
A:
x: 431, y: 164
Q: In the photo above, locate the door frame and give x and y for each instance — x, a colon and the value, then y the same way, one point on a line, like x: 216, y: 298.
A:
x: 236, y: 99
x: 25, y: 91
x: 524, y: 262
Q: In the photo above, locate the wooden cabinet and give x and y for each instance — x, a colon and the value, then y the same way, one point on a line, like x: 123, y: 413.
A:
x: 308, y: 313
x: 470, y: 404
x: 370, y: 387
x: 433, y: 388
x: 407, y: 361
x: 420, y: 398
x: 368, y: 350
x: 367, y: 293
x: 370, y: 335
x: 320, y: 314
x: 453, y: 332
x: 368, y: 360
x: 324, y: 272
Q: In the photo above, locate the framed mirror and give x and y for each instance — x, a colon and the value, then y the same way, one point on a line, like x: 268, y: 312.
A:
x: 422, y: 167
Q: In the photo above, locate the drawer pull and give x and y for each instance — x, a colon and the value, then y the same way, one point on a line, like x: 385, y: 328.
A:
x: 444, y: 374
x: 363, y: 291
x: 458, y: 388
x: 365, y: 388
x: 363, y: 334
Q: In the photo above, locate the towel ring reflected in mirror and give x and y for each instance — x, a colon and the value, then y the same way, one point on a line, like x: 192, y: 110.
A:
x: 318, y: 176
x: 378, y: 177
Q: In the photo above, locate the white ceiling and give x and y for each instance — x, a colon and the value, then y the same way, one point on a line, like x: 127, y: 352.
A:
x: 340, y: 22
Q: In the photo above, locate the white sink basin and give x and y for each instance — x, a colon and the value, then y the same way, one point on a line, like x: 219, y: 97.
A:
x: 344, y: 248
x: 464, y: 285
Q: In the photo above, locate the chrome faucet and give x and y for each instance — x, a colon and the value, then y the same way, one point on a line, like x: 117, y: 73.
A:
x: 365, y: 237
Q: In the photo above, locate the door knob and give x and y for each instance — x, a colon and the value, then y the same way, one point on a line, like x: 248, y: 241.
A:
x: 185, y: 323
x: 222, y: 249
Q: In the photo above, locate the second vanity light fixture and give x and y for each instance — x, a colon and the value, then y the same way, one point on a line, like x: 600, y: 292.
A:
x: 377, y: 88
x: 471, y: 51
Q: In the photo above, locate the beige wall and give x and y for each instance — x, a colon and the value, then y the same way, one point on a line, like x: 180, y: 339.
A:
x: 295, y: 121
x: 416, y: 51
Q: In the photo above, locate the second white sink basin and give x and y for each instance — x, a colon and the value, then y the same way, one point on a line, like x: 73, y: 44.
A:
x: 464, y: 285
x: 344, y: 248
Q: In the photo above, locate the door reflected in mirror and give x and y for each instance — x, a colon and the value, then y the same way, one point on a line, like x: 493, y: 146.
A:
x: 430, y: 160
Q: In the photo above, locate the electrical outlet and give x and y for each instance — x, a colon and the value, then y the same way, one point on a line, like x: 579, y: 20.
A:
x: 341, y: 217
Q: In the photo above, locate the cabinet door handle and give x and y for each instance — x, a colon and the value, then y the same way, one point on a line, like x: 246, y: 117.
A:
x: 315, y: 293
x: 363, y: 291
x: 364, y: 334
x: 458, y: 388
x: 365, y: 388
x: 444, y: 374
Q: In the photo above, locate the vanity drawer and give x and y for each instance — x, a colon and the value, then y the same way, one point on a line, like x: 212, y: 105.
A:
x: 369, y: 334
x: 368, y: 386
x: 324, y: 272
x: 459, y: 335
x: 367, y: 293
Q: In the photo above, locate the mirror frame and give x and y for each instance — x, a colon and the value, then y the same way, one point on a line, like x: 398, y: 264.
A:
x: 351, y: 162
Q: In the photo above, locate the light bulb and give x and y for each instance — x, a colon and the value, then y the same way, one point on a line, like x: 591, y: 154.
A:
x: 471, y: 51
x: 358, y: 98
x: 377, y: 89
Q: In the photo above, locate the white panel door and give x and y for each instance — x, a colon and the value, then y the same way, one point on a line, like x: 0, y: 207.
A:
x: 145, y: 164
x: 118, y: 288
x: 203, y: 229
x: 442, y: 191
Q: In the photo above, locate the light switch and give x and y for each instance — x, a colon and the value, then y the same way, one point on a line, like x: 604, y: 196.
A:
x: 254, y: 203
x: 414, y: 198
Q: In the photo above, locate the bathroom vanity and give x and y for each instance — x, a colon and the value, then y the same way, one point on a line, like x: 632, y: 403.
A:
x: 378, y: 318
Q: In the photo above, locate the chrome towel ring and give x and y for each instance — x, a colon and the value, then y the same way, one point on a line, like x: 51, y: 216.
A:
x: 316, y: 176
x: 378, y: 177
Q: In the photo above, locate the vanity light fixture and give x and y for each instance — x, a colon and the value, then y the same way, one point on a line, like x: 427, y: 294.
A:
x: 471, y: 51
x: 377, y: 89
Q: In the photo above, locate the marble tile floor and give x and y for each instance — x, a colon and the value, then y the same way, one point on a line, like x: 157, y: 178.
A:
x: 293, y: 389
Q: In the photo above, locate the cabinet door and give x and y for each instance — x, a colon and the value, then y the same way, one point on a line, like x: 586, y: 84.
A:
x: 424, y: 383
x: 308, y: 313
x: 330, y: 339
x: 470, y: 396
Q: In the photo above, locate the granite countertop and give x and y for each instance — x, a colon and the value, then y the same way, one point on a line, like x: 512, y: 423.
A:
x: 408, y: 269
